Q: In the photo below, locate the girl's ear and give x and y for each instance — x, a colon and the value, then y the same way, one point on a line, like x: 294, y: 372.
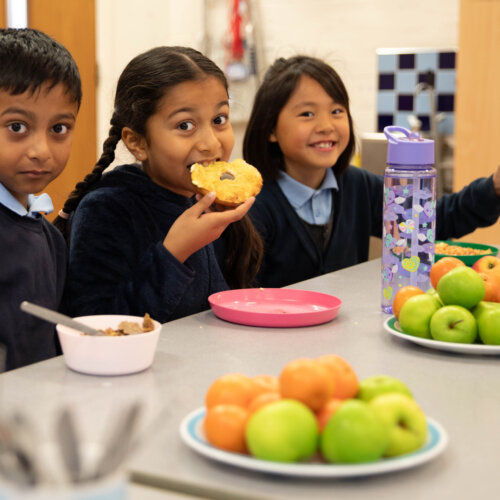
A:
x: 272, y: 137
x: 135, y: 143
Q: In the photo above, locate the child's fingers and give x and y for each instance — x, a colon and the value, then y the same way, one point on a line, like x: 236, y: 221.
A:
x: 239, y: 212
x: 203, y: 204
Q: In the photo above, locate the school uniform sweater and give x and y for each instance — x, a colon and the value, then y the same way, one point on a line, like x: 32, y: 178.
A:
x: 33, y: 268
x: 117, y: 262
x: 291, y: 254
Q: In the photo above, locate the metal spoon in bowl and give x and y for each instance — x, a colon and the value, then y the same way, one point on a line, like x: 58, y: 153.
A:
x: 57, y: 318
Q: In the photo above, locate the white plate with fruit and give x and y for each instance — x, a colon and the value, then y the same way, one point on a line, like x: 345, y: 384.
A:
x: 191, y: 431
x: 316, y: 419
x: 392, y: 326
x: 460, y: 313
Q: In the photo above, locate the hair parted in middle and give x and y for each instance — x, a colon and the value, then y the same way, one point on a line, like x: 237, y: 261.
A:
x: 141, y: 86
x: 280, y: 80
x: 143, y: 83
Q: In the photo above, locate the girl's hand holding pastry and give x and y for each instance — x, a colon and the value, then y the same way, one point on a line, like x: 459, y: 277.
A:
x: 199, y: 225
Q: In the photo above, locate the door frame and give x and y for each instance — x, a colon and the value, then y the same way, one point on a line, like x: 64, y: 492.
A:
x: 72, y: 23
x: 3, y: 14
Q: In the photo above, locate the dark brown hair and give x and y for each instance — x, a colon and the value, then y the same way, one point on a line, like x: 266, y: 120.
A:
x: 280, y: 80
x: 143, y: 83
x: 29, y: 59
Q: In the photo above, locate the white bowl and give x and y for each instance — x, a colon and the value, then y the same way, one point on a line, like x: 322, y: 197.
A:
x: 108, y: 355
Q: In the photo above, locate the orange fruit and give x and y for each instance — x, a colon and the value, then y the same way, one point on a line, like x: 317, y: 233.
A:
x: 402, y: 295
x: 441, y: 267
x: 345, y: 380
x: 232, y: 388
x: 266, y: 383
x: 330, y: 407
x: 492, y: 286
x: 224, y: 427
x: 308, y: 381
x: 262, y: 400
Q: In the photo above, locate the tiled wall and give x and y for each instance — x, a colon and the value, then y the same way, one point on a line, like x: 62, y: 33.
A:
x: 398, y: 76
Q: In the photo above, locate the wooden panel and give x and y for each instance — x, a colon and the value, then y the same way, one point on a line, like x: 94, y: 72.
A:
x: 477, y: 126
x: 3, y: 14
x: 73, y: 24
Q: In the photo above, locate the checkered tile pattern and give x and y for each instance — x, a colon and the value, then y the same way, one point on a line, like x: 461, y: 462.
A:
x: 398, y: 76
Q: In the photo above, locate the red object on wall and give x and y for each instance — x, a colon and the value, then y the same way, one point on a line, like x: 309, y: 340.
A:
x: 237, y: 41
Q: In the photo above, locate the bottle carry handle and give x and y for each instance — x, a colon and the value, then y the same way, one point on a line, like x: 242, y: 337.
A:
x: 405, y: 131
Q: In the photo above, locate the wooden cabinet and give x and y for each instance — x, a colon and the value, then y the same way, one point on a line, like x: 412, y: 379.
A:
x: 477, y: 126
x: 3, y: 14
x: 73, y: 24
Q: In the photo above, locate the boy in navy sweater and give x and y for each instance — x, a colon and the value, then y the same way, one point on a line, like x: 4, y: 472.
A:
x: 40, y: 94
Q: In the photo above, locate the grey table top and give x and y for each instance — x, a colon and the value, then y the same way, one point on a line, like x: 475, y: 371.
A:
x: 461, y: 392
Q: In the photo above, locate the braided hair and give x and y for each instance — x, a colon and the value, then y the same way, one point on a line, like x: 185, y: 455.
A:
x: 141, y: 86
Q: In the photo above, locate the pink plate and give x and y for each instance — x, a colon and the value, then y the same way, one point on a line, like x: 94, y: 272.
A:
x: 277, y: 307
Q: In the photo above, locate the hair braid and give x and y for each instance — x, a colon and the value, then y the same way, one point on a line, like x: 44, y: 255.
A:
x: 83, y: 187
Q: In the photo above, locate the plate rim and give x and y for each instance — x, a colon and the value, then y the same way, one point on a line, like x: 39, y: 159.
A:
x: 437, y: 440
x: 482, y: 349
x: 269, y: 319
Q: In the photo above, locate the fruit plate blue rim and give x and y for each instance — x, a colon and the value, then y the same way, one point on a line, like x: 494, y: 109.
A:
x: 191, y: 431
x: 392, y: 326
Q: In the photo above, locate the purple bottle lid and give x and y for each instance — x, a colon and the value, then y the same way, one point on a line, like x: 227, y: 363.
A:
x: 411, y: 150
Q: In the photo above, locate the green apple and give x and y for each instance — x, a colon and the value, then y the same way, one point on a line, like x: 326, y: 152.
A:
x: 282, y: 431
x: 461, y: 286
x: 354, y: 434
x: 375, y: 385
x: 415, y: 315
x: 434, y: 293
x: 487, y: 315
x: 454, y: 324
x: 405, y: 420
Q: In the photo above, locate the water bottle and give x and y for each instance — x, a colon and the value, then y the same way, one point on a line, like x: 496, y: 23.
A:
x: 409, y: 217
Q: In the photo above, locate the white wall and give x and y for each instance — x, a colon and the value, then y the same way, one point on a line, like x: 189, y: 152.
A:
x: 346, y: 33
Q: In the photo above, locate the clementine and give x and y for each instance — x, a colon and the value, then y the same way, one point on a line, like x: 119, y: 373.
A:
x: 308, y: 381
x: 224, y: 427
x: 492, y: 286
x: 441, y: 267
x: 266, y: 383
x: 330, y: 407
x: 232, y: 388
x: 345, y: 380
x: 402, y: 295
x: 262, y: 400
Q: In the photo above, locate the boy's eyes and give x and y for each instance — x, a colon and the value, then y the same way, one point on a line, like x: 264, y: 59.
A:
x: 21, y: 128
x: 18, y: 128
x: 60, y: 129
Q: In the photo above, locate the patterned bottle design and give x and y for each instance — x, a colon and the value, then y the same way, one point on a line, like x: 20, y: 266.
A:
x: 409, y: 216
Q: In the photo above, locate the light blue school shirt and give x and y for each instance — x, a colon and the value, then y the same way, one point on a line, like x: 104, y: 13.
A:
x: 36, y: 204
x: 312, y: 205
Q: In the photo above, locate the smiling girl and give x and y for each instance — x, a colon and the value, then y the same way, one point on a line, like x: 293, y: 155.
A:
x: 139, y: 242
x: 316, y: 213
